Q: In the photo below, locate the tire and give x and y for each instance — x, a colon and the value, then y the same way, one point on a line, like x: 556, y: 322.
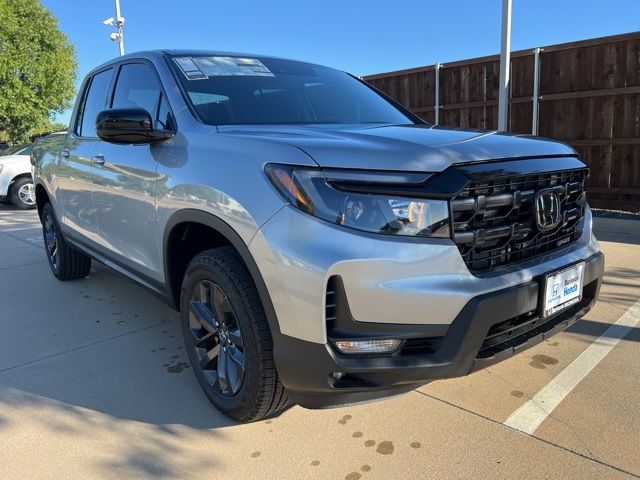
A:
x: 66, y: 262
x: 23, y: 194
x: 217, y: 286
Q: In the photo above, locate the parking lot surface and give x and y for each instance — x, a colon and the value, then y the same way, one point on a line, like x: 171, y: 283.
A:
x: 94, y: 383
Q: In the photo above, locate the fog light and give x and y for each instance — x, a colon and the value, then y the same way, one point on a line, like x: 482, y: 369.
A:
x: 367, y: 346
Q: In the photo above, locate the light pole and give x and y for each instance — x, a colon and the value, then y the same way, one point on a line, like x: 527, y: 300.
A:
x: 118, y: 21
x: 505, y: 66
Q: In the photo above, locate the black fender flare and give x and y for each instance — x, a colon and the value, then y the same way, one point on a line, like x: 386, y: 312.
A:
x: 224, y: 229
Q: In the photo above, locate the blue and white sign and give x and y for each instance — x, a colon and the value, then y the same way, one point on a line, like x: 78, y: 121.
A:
x: 563, y: 289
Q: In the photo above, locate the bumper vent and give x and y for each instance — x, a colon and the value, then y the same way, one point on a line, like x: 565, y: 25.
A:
x: 494, y: 219
x: 330, y: 301
x: 420, y: 346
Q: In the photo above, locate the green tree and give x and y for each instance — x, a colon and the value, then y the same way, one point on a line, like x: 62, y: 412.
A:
x: 37, y: 69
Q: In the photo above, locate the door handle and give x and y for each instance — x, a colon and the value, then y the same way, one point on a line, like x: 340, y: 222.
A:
x: 98, y: 159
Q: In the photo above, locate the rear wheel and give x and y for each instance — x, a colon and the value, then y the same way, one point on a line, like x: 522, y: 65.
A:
x: 66, y: 262
x: 23, y: 194
x: 228, y: 339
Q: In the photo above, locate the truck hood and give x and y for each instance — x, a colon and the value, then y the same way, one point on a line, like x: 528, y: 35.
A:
x: 418, y: 148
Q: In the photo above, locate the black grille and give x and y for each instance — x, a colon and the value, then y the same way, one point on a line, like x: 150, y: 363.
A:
x: 494, y: 220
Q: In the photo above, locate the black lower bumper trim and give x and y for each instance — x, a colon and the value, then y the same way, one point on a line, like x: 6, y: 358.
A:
x: 317, y: 377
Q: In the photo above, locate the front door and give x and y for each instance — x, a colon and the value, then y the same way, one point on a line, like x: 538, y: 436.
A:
x: 124, y: 178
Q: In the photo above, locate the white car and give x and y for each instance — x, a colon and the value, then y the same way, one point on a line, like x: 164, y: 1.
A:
x: 16, y: 183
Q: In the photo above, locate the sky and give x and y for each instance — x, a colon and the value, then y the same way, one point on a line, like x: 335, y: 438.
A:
x: 359, y: 36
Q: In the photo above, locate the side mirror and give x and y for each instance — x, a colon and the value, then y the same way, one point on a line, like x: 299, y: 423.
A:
x: 129, y: 126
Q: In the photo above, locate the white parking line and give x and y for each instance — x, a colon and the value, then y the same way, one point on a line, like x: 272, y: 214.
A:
x: 530, y: 415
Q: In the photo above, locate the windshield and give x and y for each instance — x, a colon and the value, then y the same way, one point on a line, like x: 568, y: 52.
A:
x: 17, y: 150
x: 227, y: 90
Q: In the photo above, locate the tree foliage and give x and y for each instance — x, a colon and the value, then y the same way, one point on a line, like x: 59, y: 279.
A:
x: 37, y: 69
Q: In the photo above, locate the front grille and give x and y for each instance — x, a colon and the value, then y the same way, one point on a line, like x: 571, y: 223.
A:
x: 494, y: 221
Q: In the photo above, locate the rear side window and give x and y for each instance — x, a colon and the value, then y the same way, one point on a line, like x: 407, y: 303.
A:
x: 95, y: 102
x: 138, y: 86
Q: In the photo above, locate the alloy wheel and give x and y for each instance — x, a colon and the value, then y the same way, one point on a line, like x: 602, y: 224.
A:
x: 27, y: 194
x: 51, y: 241
x: 216, y: 337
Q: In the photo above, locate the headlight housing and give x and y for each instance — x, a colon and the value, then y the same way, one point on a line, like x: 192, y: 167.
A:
x: 313, y: 191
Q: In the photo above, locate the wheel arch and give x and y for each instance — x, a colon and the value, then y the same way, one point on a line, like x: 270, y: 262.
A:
x: 223, y: 234
x: 42, y: 198
x: 13, y: 181
x: 20, y: 176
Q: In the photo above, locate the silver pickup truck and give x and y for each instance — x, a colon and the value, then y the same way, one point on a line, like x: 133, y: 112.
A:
x: 324, y: 245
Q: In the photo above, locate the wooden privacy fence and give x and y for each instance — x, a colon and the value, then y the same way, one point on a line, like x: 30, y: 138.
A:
x: 584, y: 93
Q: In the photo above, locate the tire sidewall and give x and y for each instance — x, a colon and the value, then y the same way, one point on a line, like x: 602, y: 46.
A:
x: 216, y: 273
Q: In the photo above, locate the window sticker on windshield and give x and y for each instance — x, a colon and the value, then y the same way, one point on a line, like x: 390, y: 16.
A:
x: 225, y: 66
x: 189, y: 68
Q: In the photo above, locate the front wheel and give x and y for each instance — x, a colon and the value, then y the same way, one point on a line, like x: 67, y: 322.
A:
x: 227, y: 337
x: 23, y: 194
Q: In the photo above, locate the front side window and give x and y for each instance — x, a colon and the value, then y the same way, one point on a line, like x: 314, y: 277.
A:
x: 94, y: 103
x: 138, y: 86
x: 164, y: 120
x: 225, y: 90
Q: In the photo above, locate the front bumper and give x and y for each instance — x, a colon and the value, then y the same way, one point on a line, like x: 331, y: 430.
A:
x: 308, y: 369
x: 389, y: 281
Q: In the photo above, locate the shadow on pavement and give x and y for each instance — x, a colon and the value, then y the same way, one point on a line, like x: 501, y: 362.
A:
x: 141, y: 376
x: 618, y: 237
x: 617, y: 230
x: 125, y: 449
x: 594, y: 328
x: 620, y: 287
x: 13, y: 218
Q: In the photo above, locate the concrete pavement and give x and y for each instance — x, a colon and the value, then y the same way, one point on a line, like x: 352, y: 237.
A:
x: 94, y: 383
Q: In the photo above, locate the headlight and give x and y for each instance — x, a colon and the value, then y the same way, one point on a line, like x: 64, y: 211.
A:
x: 311, y: 191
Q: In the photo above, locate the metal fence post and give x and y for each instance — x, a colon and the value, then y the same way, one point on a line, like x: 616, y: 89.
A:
x: 536, y: 91
x: 437, y: 102
x: 505, y: 67
x: 484, y: 95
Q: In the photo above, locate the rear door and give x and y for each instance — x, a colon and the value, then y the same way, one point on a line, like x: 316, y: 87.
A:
x: 124, y: 177
x: 74, y: 171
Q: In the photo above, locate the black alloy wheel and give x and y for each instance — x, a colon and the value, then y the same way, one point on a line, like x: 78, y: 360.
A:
x: 216, y: 338
x: 51, y: 240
